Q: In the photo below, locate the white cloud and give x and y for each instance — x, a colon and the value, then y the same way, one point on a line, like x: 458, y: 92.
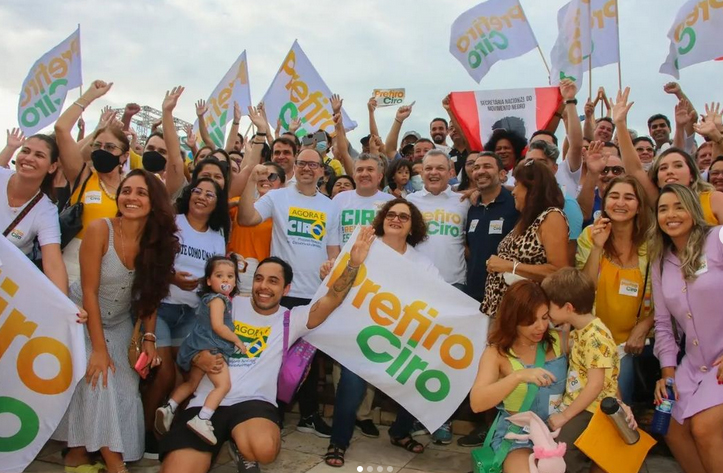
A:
x: 147, y: 47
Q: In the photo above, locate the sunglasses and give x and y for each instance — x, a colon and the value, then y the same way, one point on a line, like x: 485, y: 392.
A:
x: 402, y: 217
x: 615, y: 170
x: 200, y: 192
x: 273, y: 177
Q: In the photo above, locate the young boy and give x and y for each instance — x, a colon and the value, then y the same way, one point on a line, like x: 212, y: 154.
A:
x: 593, y: 360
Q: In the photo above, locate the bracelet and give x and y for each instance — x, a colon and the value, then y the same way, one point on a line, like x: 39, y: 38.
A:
x: 149, y: 334
x: 261, y: 134
x: 149, y: 341
x: 571, y: 101
x: 349, y: 265
x: 398, y: 121
x: 514, y: 266
x: 82, y: 107
x: 254, y: 142
x: 236, y: 123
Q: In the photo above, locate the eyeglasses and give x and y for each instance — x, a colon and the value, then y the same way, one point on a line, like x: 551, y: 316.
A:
x: 308, y: 164
x: 402, y: 217
x: 200, y: 192
x: 644, y: 150
x: 615, y: 170
x: 273, y: 177
x: 110, y: 147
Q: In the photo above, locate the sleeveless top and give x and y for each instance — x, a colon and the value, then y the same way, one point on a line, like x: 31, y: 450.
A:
x: 96, y: 203
x: 526, y: 248
x: 705, y: 204
x: 553, y: 393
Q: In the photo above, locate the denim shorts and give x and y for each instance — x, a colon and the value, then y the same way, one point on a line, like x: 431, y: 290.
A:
x: 173, y: 324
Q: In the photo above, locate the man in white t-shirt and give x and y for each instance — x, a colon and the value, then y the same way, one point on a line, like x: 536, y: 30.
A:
x: 248, y: 414
x: 357, y: 207
x: 446, y: 219
x: 305, y: 233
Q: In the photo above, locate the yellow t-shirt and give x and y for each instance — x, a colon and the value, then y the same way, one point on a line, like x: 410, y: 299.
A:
x: 592, y: 347
x: 96, y: 202
x: 136, y: 160
x: 335, y: 165
x: 708, y: 214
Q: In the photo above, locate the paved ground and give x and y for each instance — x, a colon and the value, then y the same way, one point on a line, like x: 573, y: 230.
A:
x: 302, y: 453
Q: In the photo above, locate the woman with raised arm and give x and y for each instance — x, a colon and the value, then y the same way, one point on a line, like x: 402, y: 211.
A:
x: 126, y: 265
x: 672, y: 166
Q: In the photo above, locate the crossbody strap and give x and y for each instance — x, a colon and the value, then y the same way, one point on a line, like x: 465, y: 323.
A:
x: 26, y: 210
x: 284, y: 354
x: 645, y: 285
x: 82, y: 188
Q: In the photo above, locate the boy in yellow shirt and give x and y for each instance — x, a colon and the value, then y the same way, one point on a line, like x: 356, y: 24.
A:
x: 593, y: 363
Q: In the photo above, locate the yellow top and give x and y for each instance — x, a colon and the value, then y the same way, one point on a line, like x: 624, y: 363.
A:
x: 96, y: 202
x: 513, y: 401
x: 707, y: 208
x: 619, y: 290
x: 336, y: 166
x: 592, y: 347
x: 136, y: 160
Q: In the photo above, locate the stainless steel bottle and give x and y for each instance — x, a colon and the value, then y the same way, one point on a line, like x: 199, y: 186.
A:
x: 616, y: 414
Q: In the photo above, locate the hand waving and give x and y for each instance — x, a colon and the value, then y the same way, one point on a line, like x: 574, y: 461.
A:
x: 201, y: 108
x: 621, y: 107
x: 171, y: 99
x: 336, y: 103
x: 360, y: 250
x: 16, y: 138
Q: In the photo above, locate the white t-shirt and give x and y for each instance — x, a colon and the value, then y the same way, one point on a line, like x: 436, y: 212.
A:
x: 196, y: 248
x: 254, y: 376
x: 446, y: 219
x: 304, y: 226
x: 569, y: 181
x: 356, y: 210
x: 42, y: 220
x: 423, y: 263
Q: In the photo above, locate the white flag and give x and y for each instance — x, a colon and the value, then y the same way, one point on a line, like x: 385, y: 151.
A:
x: 587, y: 30
x: 298, y: 91
x: 42, y: 358
x: 234, y: 87
x: 695, y: 36
x: 492, y: 31
x: 419, y: 343
x: 48, y: 82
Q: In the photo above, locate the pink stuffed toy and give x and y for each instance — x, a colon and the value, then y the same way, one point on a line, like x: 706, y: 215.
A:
x: 548, y: 453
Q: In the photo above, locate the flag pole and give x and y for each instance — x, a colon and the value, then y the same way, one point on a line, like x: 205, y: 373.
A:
x: 539, y: 50
x: 617, y: 23
x: 589, y: 77
x: 544, y: 61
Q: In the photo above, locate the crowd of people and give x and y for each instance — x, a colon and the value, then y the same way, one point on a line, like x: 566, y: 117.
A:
x: 197, y: 259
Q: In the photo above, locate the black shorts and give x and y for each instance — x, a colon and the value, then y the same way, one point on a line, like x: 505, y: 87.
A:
x: 224, y: 420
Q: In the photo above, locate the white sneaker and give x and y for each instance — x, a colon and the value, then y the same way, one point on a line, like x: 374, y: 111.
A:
x: 203, y: 429
x: 164, y: 417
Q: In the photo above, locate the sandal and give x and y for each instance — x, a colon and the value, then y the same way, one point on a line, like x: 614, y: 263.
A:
x: 410, y: 445
x: 334, y: 453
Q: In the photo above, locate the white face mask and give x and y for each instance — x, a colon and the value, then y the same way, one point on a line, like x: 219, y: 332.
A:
x: 417, y: 183
x: 647, y: 166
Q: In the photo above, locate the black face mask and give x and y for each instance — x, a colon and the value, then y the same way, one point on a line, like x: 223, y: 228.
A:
x: 153, y: 161
x: 104, y: 161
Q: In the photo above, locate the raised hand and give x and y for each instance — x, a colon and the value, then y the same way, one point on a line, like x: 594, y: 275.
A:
x: 106, y: 116
x: 672, y: 88
x: 708, y: 129
x: 403, y: 112
x: 589, y: 109
x: 237, y: 112
x: 568, y: 89
x: 258, y: 120
x: 621, y: 107
x: 446, y: 102
x: 259, y: 173
x: 295, y: 125
x: 262, y: 110
x: 713, y: 113
x: 171, y: 99
x: 132, y: 109
x: 97, y: 89
x: 372, y: 105
x: 201, y: 108
x: 190, y: 136
x: 360, y: 249
x: 336, y: 103
x: 16, y: 138
x: 683, y: 115
x: 379, y: 144
x: 596, y: 161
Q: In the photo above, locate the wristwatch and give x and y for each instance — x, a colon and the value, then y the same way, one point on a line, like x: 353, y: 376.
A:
x: 571, y: 101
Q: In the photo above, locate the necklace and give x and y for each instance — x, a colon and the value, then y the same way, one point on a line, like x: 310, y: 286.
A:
x: 110, y: 195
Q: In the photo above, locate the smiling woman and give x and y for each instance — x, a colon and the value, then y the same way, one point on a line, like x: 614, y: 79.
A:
x: 26, y: 211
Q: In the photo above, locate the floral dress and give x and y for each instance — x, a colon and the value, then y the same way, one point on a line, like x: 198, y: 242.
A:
x: 525, y: 248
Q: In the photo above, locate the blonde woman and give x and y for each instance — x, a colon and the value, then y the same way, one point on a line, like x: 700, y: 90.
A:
x: 687, y: 256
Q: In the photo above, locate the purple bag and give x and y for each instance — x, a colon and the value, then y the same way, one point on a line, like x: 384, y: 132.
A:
x: 295, y: 364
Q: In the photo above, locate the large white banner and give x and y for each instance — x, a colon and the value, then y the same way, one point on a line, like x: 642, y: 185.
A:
x: 298, y: 91
x: 695, y: 36
x: 234, y: 87
x: 588, y: 30
x: 43, y: 92
x: 492, y: 31
x: 42, y: 357
x: 419, y: 343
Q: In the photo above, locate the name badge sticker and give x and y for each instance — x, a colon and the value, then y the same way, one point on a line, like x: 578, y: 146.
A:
x: 92, y: 197
x: 496, y: 227
x: 629, y: 288
x: 473, y: 225
x: 703, y: 266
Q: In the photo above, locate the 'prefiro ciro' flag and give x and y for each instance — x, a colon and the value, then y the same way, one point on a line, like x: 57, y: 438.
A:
x: 521, y: 110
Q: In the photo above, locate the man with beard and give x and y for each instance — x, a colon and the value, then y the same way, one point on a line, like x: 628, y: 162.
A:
x: 306, y: 234
x: 603, y: 165
x: 248, y: 416
x: 438, y: 130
